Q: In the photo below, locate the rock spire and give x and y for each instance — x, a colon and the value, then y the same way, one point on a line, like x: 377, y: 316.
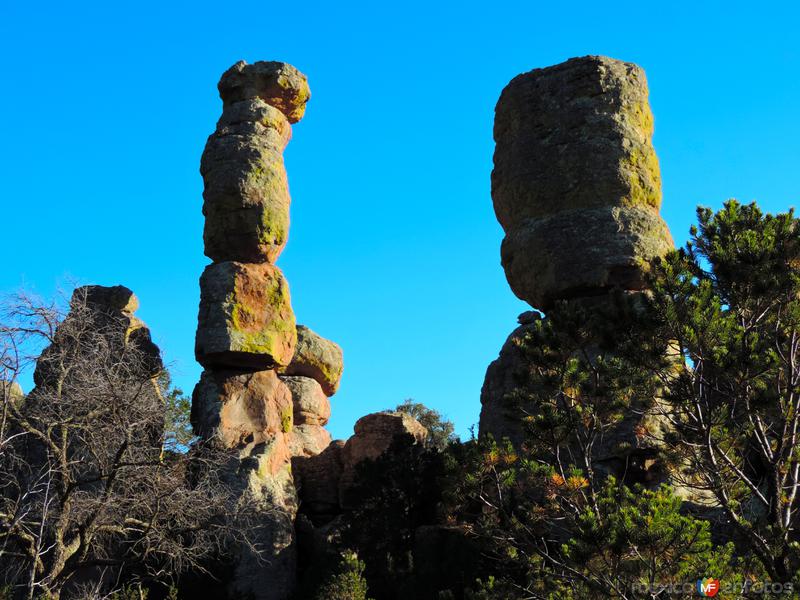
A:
x: 263, y: 395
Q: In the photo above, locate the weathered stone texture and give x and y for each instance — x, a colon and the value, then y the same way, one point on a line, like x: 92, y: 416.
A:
x: 278, y: 84
x: 109, y: 312
x: 246, y: 190
x: 236, y: 408
x: 311, y: 405
x: 326, y: 480
x: 246, y: 318
x: 317, y: 358
x: 246, y: 327
x: 576, y: 188
x: 308, y: 440
x: 576, y: 183
x: 374, y: 434
x: 579, y: 253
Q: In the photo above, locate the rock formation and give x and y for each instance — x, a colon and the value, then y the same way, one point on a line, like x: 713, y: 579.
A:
x: 576, y: 184
x: 263, y: 396
x: 325, y: 480
x: 577, y: 190
x: 108, y: 312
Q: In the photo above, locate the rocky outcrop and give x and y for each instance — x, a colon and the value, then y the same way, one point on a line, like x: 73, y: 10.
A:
x: 312, y: 409
x: 108, y: 312
x: 11, y: 391
x: 576, y: 183
x: 263, y: 396
x: 237, y: 408
x: 246, y: 326
x: 325, y: 481
x: 577, y: 190
x: 500, y: 415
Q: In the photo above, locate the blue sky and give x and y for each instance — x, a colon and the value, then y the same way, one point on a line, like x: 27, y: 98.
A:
x: 394, y: 247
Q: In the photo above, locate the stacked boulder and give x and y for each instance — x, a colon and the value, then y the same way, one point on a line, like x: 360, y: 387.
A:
x: 263, y: 394
x: 312, y: 377
x: 577, y: 189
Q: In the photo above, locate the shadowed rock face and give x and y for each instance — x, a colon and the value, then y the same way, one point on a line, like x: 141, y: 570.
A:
x: 326, y: 481
x: 577, y: 189
x: 576, y: 183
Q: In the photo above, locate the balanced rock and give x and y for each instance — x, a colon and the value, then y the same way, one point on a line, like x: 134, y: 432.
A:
x: 246, y: 192
x: 246, y: 328
x: 576, y: 183
x: 245, y: 319
x: 318, y: 358
x: 236, y: 408
x: 278, y: 84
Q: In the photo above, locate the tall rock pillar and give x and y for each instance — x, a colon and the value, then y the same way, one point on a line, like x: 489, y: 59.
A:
x: 246, y: 327
x: 577, y: 189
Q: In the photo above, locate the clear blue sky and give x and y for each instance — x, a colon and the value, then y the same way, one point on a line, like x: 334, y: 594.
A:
x: 394, y: 247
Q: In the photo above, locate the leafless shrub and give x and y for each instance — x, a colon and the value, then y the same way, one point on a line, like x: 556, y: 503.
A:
x: 89, y: 496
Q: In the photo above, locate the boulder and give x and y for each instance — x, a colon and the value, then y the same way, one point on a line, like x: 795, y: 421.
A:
x: 245, y: 319
x: 246, y: 190
x: 585, y: 252
x: 237, y: 408
x: 317, y: 358
x: 576, y: 183
x: 278, y: 84
x: 311, y: 405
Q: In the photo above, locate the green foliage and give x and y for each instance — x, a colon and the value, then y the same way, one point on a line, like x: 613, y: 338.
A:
x: 178, y: 434
x: 558, y: 537
x: 440, y: 430
x: 728, y: 305
x: 130, y: 592
x: 394, y: 495
x: 347, y: 582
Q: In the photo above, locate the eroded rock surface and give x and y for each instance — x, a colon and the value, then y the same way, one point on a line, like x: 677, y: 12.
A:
x: 236, y: 408
x: 246, y: 318
x: 576, y: 182
x: 577, y: 189
x: 317, y: 358
x: 246, y: 191
x: 327, y: 479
